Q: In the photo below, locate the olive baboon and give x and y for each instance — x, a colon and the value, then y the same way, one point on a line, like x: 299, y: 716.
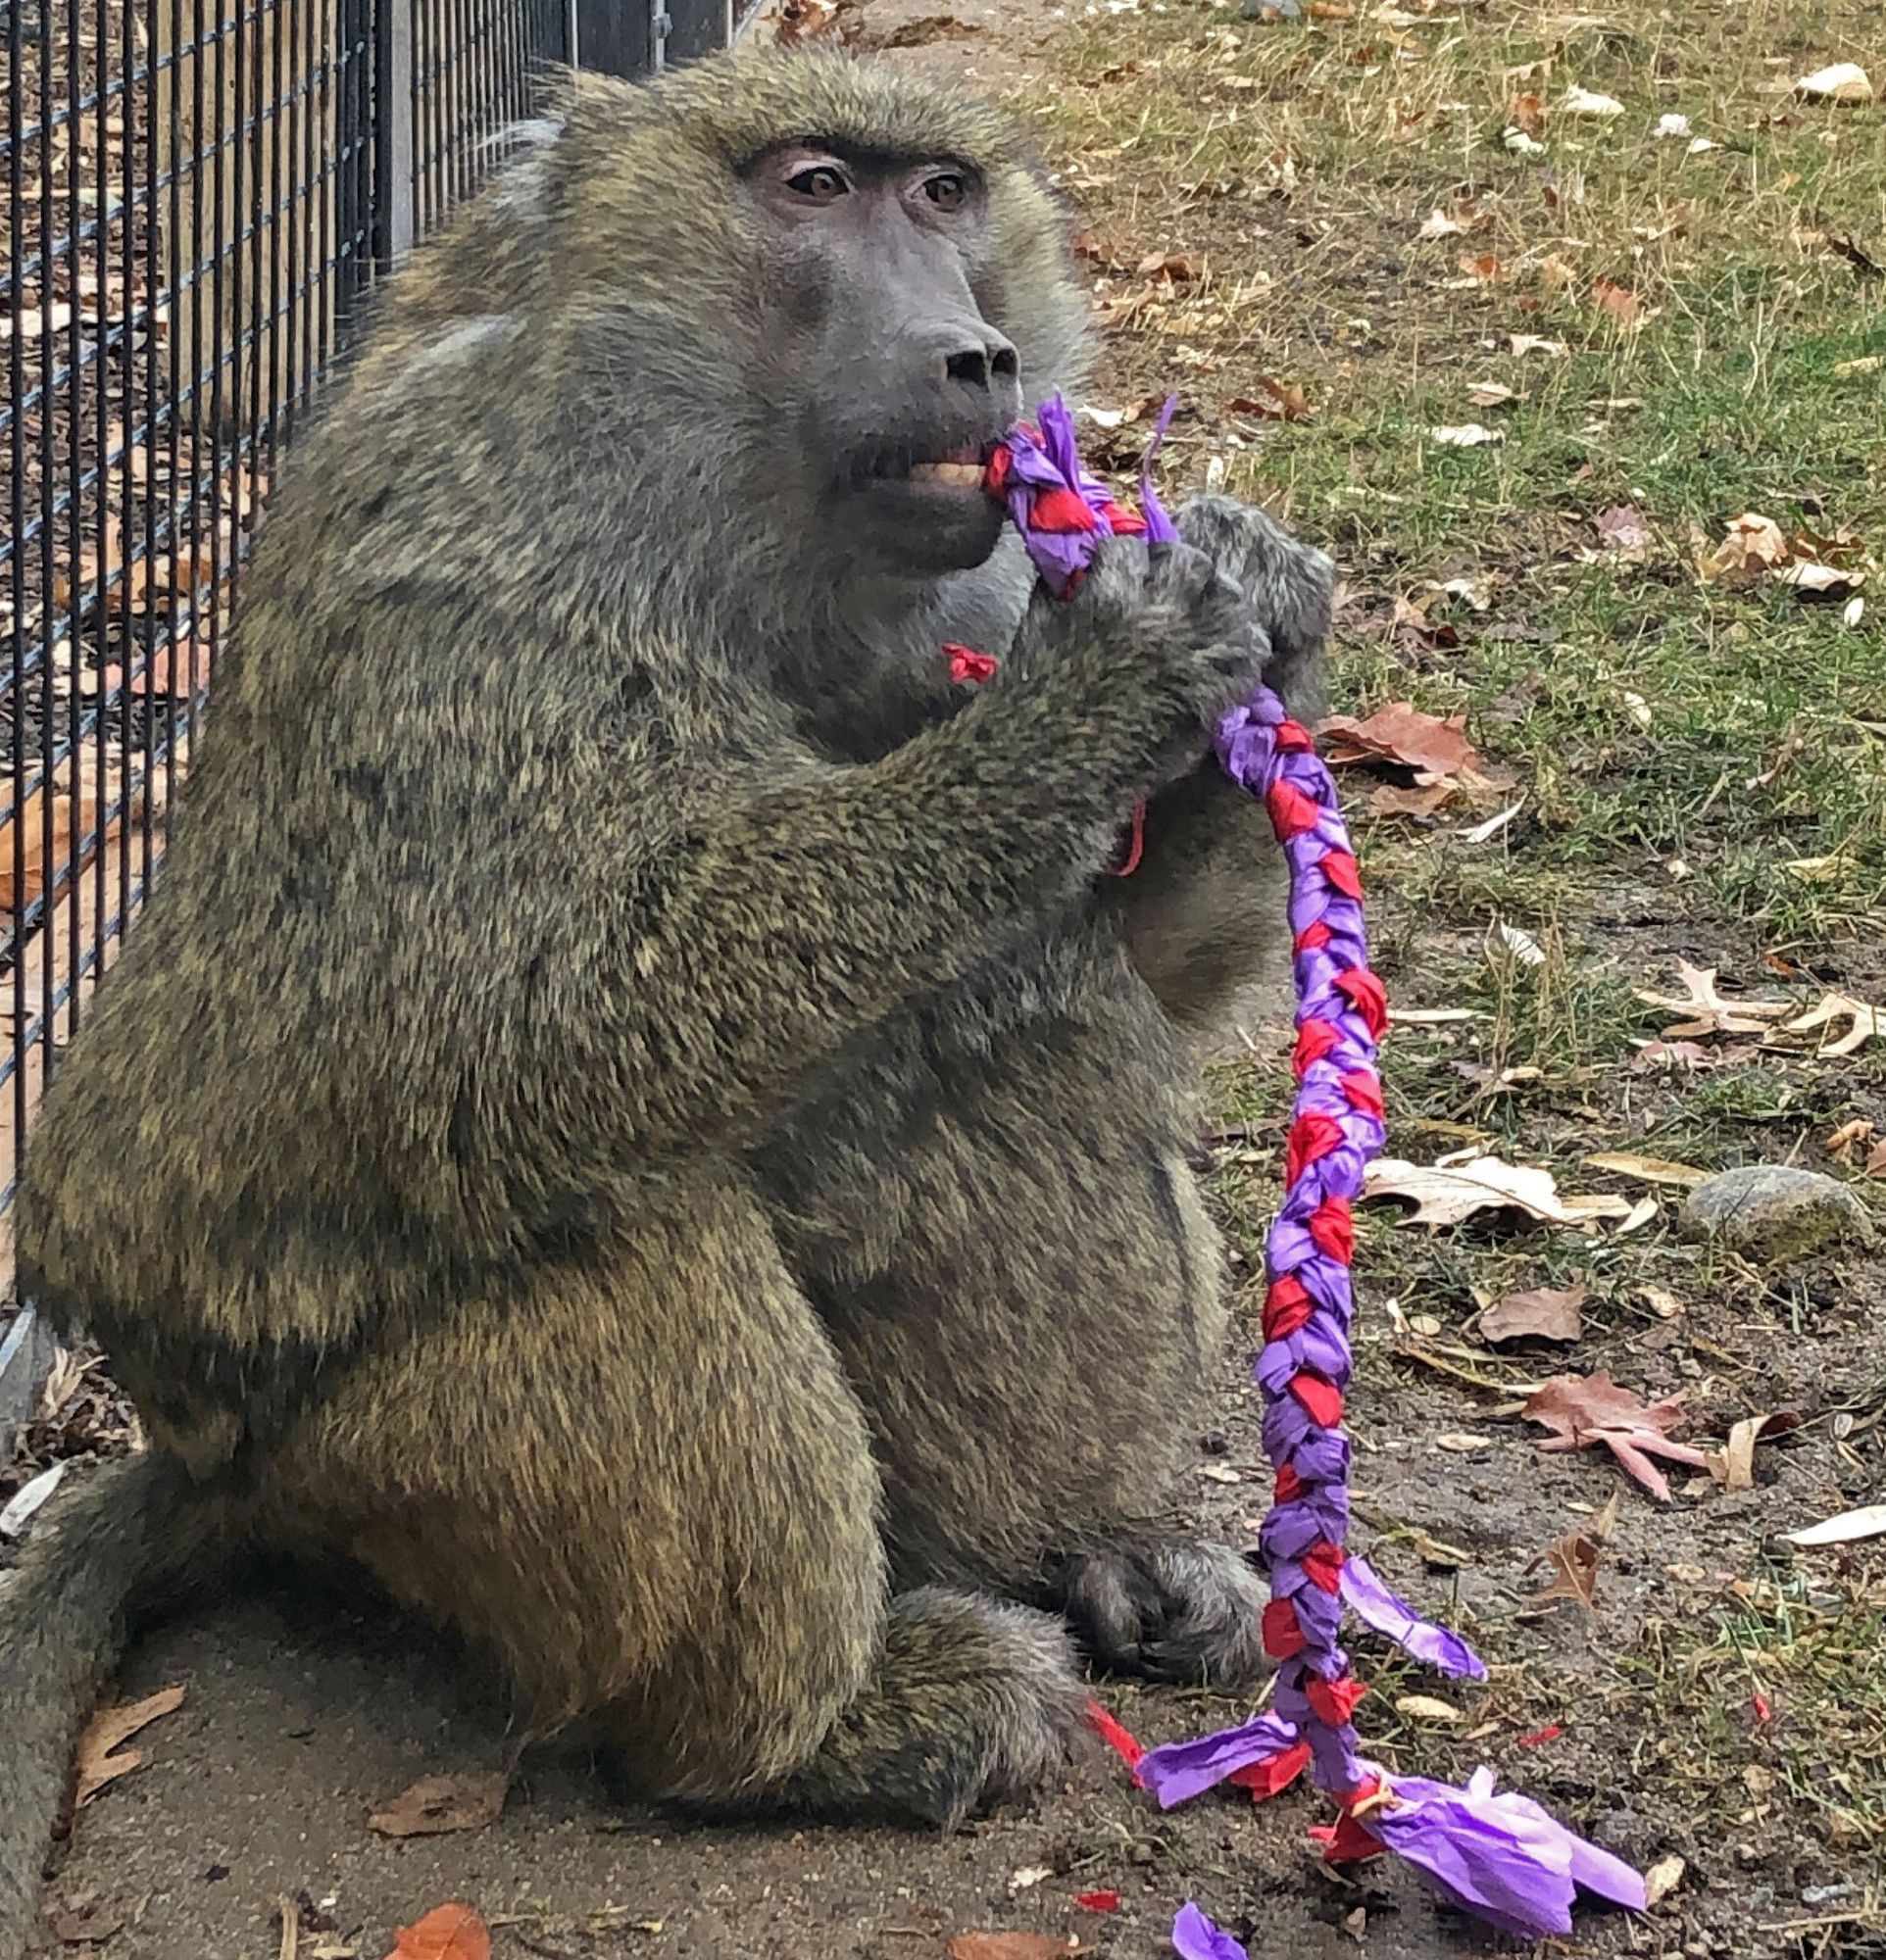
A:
x: 638, y: 1110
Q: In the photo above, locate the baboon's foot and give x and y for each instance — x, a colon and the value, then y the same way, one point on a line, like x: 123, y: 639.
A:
x: 973, y: 1702
x: 1178, y: 1610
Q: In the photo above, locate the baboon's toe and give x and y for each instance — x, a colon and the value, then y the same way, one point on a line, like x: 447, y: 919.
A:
x: 1178, y: 1610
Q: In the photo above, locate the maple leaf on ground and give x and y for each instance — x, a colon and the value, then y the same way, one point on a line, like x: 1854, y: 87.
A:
x: 1753, y: 547
x: 1710, y: 1013
x: 1624, y: 533
x: 1435, y: 749
x: 1584, y: 1411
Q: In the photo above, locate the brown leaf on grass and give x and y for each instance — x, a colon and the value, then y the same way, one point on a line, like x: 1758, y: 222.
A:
x: 1843, y: 1142
x: 446, y: 1932
x: 1480, y: 269
x: 1528, y: 113
x: 1865, y: 1024
x: 1752, y: 547
x: 1708, y: 1013
x: 1683, y: 1057
x: 1014, y: 1946
x: 1653, y: 1170
x: 437, y: 1804
x: 1543, y: 1314
x: 1179, y: 266
x: 83, y: 1922
x: 1623, y: 305
x: 1400, y: 732
x: 1623, y: 532
x: 1423, y: 800
x: 101, y: 1759
x: 1877, y: 1160
x: 1573, y: 1559
x: 1586, y: 1411
x: 1277, y: 402
x: 1448, y: 1193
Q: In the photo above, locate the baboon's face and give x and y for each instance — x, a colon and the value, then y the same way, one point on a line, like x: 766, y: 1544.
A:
x: 896, y: 382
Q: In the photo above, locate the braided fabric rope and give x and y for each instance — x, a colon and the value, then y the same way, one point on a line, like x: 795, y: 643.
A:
x: 1497, y: 1854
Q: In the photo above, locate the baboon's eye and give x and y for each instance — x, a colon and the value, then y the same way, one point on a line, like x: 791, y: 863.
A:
x: 946, y: 190
x: 823, y: 183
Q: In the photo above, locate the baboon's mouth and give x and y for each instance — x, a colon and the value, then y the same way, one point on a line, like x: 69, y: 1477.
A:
x: 961, y: 468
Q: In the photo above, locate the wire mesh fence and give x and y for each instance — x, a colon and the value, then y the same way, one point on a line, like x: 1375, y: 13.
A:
x: 198, y: 194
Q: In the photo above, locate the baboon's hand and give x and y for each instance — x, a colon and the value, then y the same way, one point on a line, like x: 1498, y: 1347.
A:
x: 1289, y: 587
x: 1157, y: 636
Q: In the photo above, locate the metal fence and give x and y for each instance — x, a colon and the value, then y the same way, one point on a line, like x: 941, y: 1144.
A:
x: 198, y: 193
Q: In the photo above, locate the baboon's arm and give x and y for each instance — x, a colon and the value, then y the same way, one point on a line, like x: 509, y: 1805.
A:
x: 1203, y: 911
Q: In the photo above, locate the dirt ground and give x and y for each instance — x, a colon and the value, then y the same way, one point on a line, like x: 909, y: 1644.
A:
x: 1719, y: 1711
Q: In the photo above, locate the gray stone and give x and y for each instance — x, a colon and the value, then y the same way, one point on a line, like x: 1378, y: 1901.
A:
x: 1774, y: 1213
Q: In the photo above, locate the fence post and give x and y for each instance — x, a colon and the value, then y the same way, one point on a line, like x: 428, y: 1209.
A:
x: 393, y: 186
x: 699, y: 28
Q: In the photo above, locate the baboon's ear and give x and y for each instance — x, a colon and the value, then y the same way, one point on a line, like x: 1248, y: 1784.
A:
x: 1290, y: 586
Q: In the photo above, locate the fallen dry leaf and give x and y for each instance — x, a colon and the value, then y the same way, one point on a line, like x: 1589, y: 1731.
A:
x: 1672, y: 125
x: 1179, y: 266
x: 1710, y: 1013
x: 1663, y: 1879
x: 1526, y: 113
x: 1438, y: 224
x: 1461, y: 1442
x: 1279, y: 402
x: 1623, y: 304
x: 1544, y: 1313
x: 1428, y: 1708
x: 437, y: 1804
x: 1843, y: 81
x: 1583, y: 1411
x: 1521, y: 945
x: 1400, y: 732
x: 1422, y: 800
x: 1490, y: 394
x: 1808, y: 575
x: 1573, y: 1559
x: 1867, y: 1023
x: 1843, y: 1142
x: 1480, y: 269
x: 1877, y: 1160
x: 1752, y: 547
x: 1623, y: 532
x: 1734, y: 1470
x: 83, y: 1922
x: 1654, y: 1170
x: 1847, y: 1527
x: 1466, y: 435
x: 1447, y: 1194
x: 446, y: 1932
x: 1014, y: 1946
x: 1537, y: 343
x: 100, y: 1758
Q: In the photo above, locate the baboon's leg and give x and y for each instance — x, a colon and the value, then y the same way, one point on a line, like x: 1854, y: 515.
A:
x: 1032, y: 1348
x: 652, y: 1494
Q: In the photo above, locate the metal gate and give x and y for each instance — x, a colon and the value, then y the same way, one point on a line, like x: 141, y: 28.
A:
x: 198, y: 192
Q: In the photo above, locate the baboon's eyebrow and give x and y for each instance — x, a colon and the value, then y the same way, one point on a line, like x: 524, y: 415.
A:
x: 862, y: 156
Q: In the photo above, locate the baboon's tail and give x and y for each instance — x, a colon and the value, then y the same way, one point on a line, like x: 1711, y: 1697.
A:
x: 63, y: 1612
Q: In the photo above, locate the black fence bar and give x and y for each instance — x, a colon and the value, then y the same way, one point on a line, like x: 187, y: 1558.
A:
x: 198, y: 194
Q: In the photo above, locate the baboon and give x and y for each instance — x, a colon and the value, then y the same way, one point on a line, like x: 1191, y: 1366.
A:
x: 640, y: 1114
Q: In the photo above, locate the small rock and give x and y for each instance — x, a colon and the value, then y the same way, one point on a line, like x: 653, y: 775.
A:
x: 1773, y: 1212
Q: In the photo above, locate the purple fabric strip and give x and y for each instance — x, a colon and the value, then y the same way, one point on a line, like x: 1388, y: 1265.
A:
x: 1176, y: 1772
x: 1195, y: 1937
x: 1499, y: 1854
x: 1394, y: 1619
